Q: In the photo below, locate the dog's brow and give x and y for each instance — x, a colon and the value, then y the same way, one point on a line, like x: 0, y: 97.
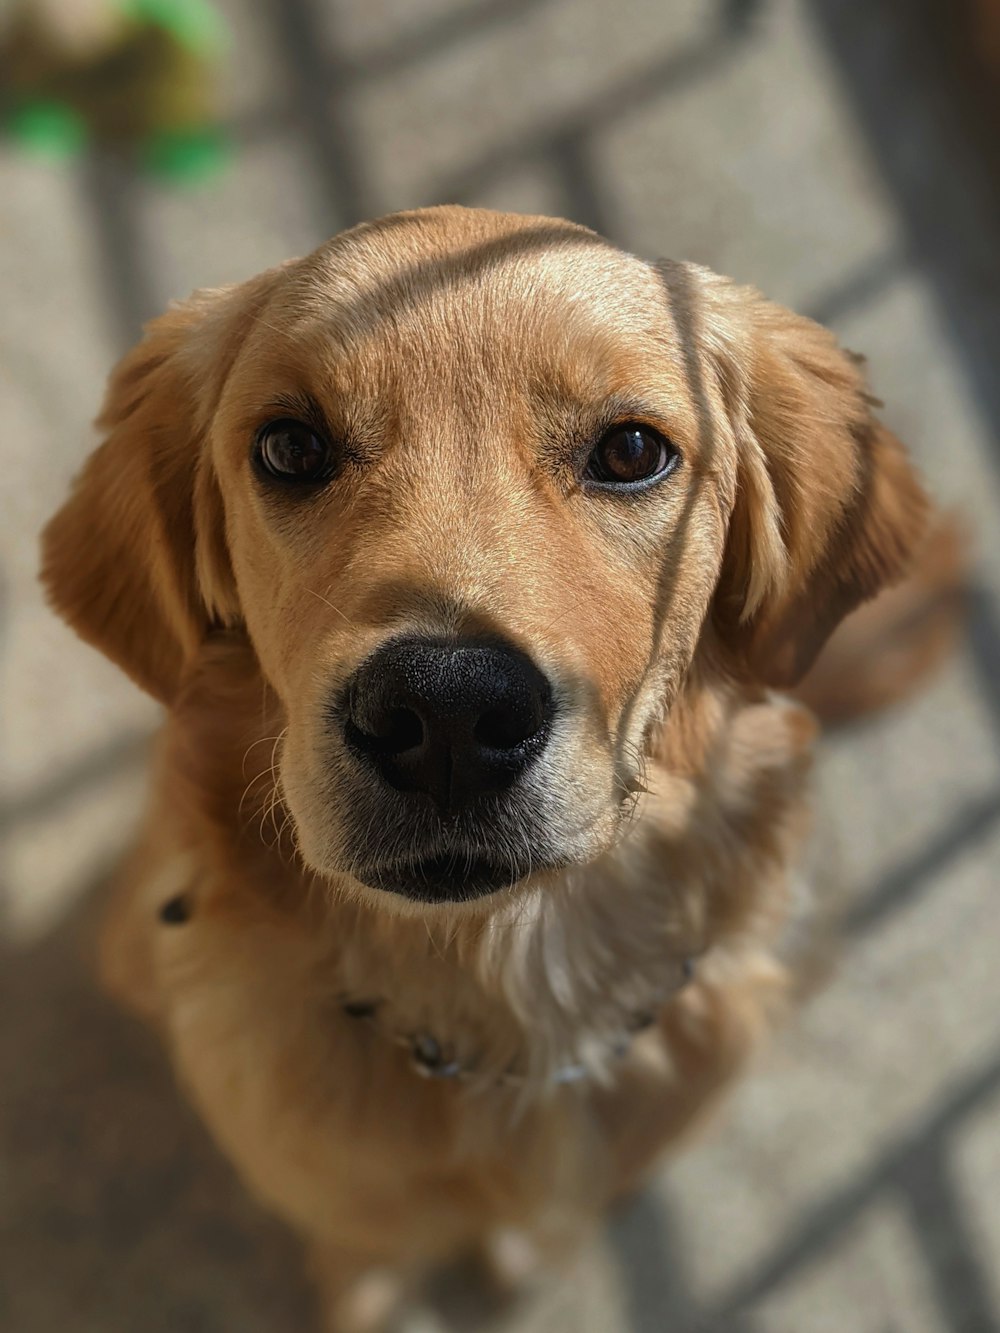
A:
x: 409, y: 285
x: 302, y: 407
x: 613, y: 408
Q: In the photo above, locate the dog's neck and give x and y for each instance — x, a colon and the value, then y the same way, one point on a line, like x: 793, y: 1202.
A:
x: 550, y: 977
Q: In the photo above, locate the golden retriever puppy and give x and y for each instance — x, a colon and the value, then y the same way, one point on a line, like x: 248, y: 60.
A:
x: 466, y: 555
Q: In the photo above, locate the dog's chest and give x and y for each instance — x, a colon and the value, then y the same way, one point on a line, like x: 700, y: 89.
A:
x: 323, y: 1111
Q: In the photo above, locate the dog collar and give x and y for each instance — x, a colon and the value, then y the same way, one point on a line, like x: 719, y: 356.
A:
x: 431, y: 1058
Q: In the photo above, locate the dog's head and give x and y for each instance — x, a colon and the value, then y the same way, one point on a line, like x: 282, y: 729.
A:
x: 479, y: 488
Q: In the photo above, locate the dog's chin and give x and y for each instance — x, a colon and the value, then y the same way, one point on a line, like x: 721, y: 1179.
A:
x: 422, y: 877
x: 450, y: 878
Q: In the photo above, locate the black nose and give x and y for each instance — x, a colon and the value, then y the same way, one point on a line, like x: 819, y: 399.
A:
x: 453, y: 720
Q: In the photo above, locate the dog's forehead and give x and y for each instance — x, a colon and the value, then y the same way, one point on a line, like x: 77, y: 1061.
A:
x: 401, y: 260
x: 459, y: 283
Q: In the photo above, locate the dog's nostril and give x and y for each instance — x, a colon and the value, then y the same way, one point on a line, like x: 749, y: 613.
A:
x: 403, y: 731
x: 390, y: 733
x: 506, y: 728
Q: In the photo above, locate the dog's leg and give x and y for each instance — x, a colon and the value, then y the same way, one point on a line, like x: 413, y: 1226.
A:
x: 356, y: 1295
x: 512, y: 1261
x: 669, y: 1087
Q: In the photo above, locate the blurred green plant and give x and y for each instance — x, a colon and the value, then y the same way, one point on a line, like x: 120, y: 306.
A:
x: 142, y: 85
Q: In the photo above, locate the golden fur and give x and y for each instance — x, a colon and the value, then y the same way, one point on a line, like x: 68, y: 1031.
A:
x: 459, y: 351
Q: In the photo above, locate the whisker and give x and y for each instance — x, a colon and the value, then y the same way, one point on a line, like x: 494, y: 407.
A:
x: 253, y: 745
x: 326, y: 602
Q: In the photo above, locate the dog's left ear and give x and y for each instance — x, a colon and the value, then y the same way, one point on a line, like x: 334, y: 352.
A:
x: 828, y: 509
x: 136, y: 560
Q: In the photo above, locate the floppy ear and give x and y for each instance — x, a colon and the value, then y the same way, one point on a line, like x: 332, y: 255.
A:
x: 136, y: 560
x: 827, y: 510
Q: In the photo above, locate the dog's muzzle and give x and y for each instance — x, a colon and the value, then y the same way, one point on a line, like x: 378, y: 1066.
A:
x: 445, y: 728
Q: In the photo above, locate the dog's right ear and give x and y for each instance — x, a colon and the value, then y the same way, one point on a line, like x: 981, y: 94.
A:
x: 136, y: 560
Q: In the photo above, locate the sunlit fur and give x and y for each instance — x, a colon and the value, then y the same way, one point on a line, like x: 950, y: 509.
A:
x: 467, y: 359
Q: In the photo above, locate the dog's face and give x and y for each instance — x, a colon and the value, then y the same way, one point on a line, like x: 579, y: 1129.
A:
x: 479, y: 488
x: 450, y: 496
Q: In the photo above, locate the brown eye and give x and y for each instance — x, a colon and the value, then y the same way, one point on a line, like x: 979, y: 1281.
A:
x: 293, y: 451
x: 629, y: 455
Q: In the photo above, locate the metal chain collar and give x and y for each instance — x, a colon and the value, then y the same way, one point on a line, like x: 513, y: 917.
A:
x: 429, y: 1057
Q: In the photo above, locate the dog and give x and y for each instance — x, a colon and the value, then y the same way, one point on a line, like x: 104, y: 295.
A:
x: 473, y: 560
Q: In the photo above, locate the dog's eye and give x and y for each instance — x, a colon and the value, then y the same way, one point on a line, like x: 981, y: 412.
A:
x: 293, y: 451
x: 629, y: 455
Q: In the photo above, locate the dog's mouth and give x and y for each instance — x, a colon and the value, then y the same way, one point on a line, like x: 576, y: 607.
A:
x: 449, y: 877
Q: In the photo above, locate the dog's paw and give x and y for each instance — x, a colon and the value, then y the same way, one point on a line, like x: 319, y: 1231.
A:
x: 365, y: 1305
x: 512, y: 1260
